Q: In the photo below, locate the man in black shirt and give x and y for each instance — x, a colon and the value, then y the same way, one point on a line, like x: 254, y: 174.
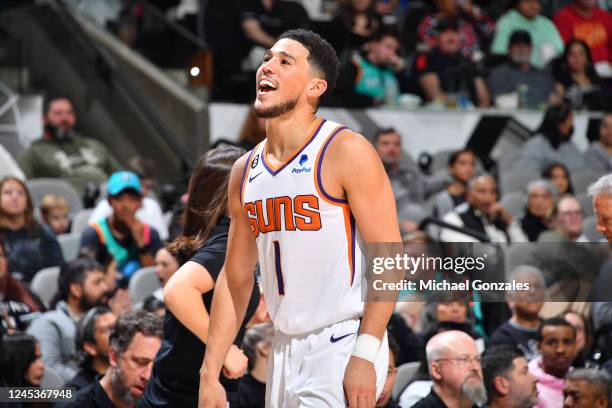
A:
x: 443, y: 75
x: 454, y: 366
x: 134, y: 341
x: 521, y: 329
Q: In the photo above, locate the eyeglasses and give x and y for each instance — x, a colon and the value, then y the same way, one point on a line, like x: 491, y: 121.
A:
x: 462, y: 361
x: 568, y: 214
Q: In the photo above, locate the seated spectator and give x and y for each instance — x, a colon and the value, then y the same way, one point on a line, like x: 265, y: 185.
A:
x: 566, y: 222
x: 253, y: 130
x: 263, y: 21
x: 355, y: 24
x: 29, y: 245
x: 507, y: 379
x: 20, y: 362
x: 552, y: 142
x: 599, y: 153
x: 454, y: 366
x: 150, y: 212
x: 587, y: 387
x: 559, y: 175
x: 55, y: 212
x: 81, y: 286
x: 367, y: 78
x: 18, y: 305
x: 384, y: 400
x: 444, y: 76
x: 257, y: 346
x: 133, y: 344
x: 531, y: 86
x: 525, y: 15
x: 409, y: 186
x: 482, y: 213
x: 576, y: 79
x: 92, y: 333
x: 63, y: 153
x: 461, y: 167
x: 521, y: 329
x: 475, y: 27
x: 557, y: 345
x: 130, y: 242
x: 584, y: 20
x: 165, y: 266
x: 443, y: 307
x: 584, y: 337
x: 540, y: 202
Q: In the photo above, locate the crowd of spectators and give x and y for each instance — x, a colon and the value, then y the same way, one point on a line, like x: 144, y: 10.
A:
x: 521, y: 350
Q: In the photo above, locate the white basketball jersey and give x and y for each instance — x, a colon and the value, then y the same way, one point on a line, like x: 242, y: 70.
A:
x: 309, y: 255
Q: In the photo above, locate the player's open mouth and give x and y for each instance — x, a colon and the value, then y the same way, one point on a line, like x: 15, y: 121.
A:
x: 266, y: 86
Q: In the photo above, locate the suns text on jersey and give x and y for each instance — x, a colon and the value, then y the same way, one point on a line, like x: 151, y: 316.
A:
x: 284, y: 214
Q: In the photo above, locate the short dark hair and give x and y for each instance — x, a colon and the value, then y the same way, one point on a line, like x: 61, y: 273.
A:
x: 74, y: 272
x: 383, y: 131
x: 49, y: 101
x: 452, y: 159
x: 555, y: 321
x: 130, y: 323
x: 321, y: 55
x: 384, y: 33
x: 393, y: 348
x: 497, y: 361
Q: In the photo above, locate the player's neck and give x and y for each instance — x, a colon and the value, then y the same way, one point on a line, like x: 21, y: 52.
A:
x: 287, y: 133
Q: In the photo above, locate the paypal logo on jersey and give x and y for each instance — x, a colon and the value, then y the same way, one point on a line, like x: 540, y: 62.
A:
x: 302, y: 169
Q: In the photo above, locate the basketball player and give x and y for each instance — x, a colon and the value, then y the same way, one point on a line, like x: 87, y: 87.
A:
x: 297, y: 201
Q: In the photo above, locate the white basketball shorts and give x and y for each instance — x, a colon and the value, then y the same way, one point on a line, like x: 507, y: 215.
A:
x: 308, y: 370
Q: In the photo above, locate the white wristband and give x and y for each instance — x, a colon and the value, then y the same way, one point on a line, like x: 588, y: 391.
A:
x: 366, y: 347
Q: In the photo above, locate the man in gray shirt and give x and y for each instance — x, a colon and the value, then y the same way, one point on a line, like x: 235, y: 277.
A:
x: 518, y: 75
x: 599, y: 153
x: 410, y: 187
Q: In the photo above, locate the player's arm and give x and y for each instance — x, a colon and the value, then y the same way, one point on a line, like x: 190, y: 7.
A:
x: 368, y: 190
x: 232, y: 292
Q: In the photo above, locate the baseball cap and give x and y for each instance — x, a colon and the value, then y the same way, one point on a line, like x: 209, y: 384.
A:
x: 520, y: 37
x: 121, y: 181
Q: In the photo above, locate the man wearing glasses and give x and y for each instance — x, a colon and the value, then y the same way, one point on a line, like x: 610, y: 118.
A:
x: 454, y: 367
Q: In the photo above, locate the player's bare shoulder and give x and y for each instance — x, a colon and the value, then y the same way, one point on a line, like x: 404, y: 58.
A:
x: 351, y: 151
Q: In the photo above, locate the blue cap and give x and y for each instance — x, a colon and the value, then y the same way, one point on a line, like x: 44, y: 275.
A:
x: 121, y: 181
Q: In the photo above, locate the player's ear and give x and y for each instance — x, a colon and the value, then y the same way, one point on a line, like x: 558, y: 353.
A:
x: 316, y: 87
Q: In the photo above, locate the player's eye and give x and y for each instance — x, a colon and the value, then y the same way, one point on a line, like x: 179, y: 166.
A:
x: 285, y: 62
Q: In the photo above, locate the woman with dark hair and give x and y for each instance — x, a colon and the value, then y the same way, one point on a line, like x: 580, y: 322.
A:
x: 20, y: 361
x: 29, y: 245
x: 552, y: 142
x: 356, y: 23
x: 584, y: 337
x: 188, y: 293
x: 559, y: 176
x: 18, y: 306
x: 576, y: 78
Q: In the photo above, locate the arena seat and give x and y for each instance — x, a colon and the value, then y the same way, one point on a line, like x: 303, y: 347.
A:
x: 44, y: 284
x: 70, y: 244
x: 405, y: 373
x: 516, y: 180
x: 589, y: 229
x: 142, y: 284
x: 81, y: 220
x: 586, y: 203
x: 51, y: 379
x: 583, y: 178
x: 514, y: 202
x: 40, y: 187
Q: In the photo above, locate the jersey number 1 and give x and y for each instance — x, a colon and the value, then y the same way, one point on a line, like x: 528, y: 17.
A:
x: 278, y: 268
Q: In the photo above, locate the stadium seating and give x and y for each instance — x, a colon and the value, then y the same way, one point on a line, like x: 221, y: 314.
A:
x: 44, y: 284
x: 70, y: 244
x: 405, y: 373
x: 40, y: 187
x: 143, y: 283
